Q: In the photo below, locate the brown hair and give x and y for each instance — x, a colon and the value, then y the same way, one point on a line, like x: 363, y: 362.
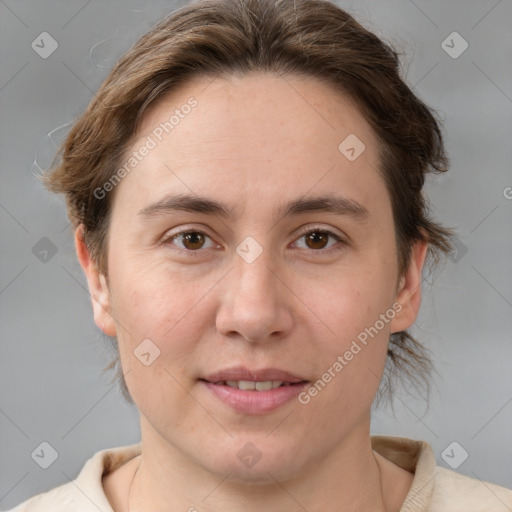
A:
x: 306, y: 37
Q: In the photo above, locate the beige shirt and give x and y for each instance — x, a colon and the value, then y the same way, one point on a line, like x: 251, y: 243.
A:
x: 434, y: 489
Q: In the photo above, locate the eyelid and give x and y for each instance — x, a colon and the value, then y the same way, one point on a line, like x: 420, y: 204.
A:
x: 185, y: 229
x: 317, y: 227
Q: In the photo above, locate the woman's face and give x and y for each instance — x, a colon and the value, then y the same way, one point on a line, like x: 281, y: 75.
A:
x: 287, y: 271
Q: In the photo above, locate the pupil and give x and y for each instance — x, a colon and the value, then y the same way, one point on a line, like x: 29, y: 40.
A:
x: 315, y: 237
x: 193, y: 240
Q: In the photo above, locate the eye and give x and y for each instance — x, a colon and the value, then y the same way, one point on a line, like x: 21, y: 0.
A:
x: 317, y: 240
x: 191, y: 240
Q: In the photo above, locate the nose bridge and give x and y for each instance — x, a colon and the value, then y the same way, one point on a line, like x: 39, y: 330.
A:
x: 255, y: 278
x: 253, y: 258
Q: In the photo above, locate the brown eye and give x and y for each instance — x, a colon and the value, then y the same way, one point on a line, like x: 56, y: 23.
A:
x: 192, y: 240
x: 320, y: 241
x: 191, y: 243
x: 317, y: 239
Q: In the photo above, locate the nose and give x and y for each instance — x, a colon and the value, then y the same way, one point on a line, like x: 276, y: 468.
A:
x: 255, y: 303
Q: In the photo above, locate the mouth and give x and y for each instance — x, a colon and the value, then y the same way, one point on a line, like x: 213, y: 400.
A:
x: 254, y: 391
x: 249, y: 385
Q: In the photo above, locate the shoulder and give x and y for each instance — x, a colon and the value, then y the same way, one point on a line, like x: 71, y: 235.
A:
x: 85, y: 493
x: 59, y: 499
x: 436, y: 489
x: 455, y: 492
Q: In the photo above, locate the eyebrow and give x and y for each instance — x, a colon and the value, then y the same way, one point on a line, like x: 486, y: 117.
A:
x: 338, y: 205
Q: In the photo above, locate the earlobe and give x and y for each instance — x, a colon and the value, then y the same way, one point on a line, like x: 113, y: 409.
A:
x: 98, y: 287
x: 409, y: 289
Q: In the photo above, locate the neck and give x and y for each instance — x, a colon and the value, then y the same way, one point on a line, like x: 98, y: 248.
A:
x: 349, y: 476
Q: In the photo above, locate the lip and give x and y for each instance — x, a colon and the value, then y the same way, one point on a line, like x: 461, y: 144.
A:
x: 253, y: 402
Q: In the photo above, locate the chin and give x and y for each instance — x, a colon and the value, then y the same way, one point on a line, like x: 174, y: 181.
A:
x: 258, y: 463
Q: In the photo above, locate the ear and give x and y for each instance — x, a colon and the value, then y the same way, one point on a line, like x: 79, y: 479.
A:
x: 409, y: 289
x: 98, y: 288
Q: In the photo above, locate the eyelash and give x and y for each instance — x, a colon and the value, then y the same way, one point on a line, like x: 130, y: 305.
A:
x: 319, y: 252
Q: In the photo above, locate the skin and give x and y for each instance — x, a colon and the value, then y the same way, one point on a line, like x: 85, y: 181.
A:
x: 254, y: 140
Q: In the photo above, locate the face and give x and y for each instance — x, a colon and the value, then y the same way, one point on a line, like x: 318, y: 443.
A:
x: 247, y: 245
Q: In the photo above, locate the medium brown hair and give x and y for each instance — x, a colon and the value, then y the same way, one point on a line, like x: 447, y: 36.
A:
x: 215, y: 38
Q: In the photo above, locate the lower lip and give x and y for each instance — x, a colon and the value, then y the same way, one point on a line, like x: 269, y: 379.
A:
x: 255, y: 402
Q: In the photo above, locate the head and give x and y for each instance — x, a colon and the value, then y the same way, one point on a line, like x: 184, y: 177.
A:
x: 281, y: 141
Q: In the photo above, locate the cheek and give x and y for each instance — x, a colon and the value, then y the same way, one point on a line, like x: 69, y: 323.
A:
x: 159, y: 324
x: 149, y: 298
x: 353, y: 299
x: 148, y: 305
x: 356, y: 310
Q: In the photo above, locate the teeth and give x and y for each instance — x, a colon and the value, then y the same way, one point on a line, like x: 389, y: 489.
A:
x: 263, y: 386
x: 247, y: 385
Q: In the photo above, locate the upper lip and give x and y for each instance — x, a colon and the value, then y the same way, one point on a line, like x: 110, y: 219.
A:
x: 242, y: 373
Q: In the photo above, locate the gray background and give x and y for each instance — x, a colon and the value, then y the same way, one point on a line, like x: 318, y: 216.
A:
x: 52, y: 387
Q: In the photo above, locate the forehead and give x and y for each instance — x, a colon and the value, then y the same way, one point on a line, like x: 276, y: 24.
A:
x: 293, y: 109
x: 255, y: 135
